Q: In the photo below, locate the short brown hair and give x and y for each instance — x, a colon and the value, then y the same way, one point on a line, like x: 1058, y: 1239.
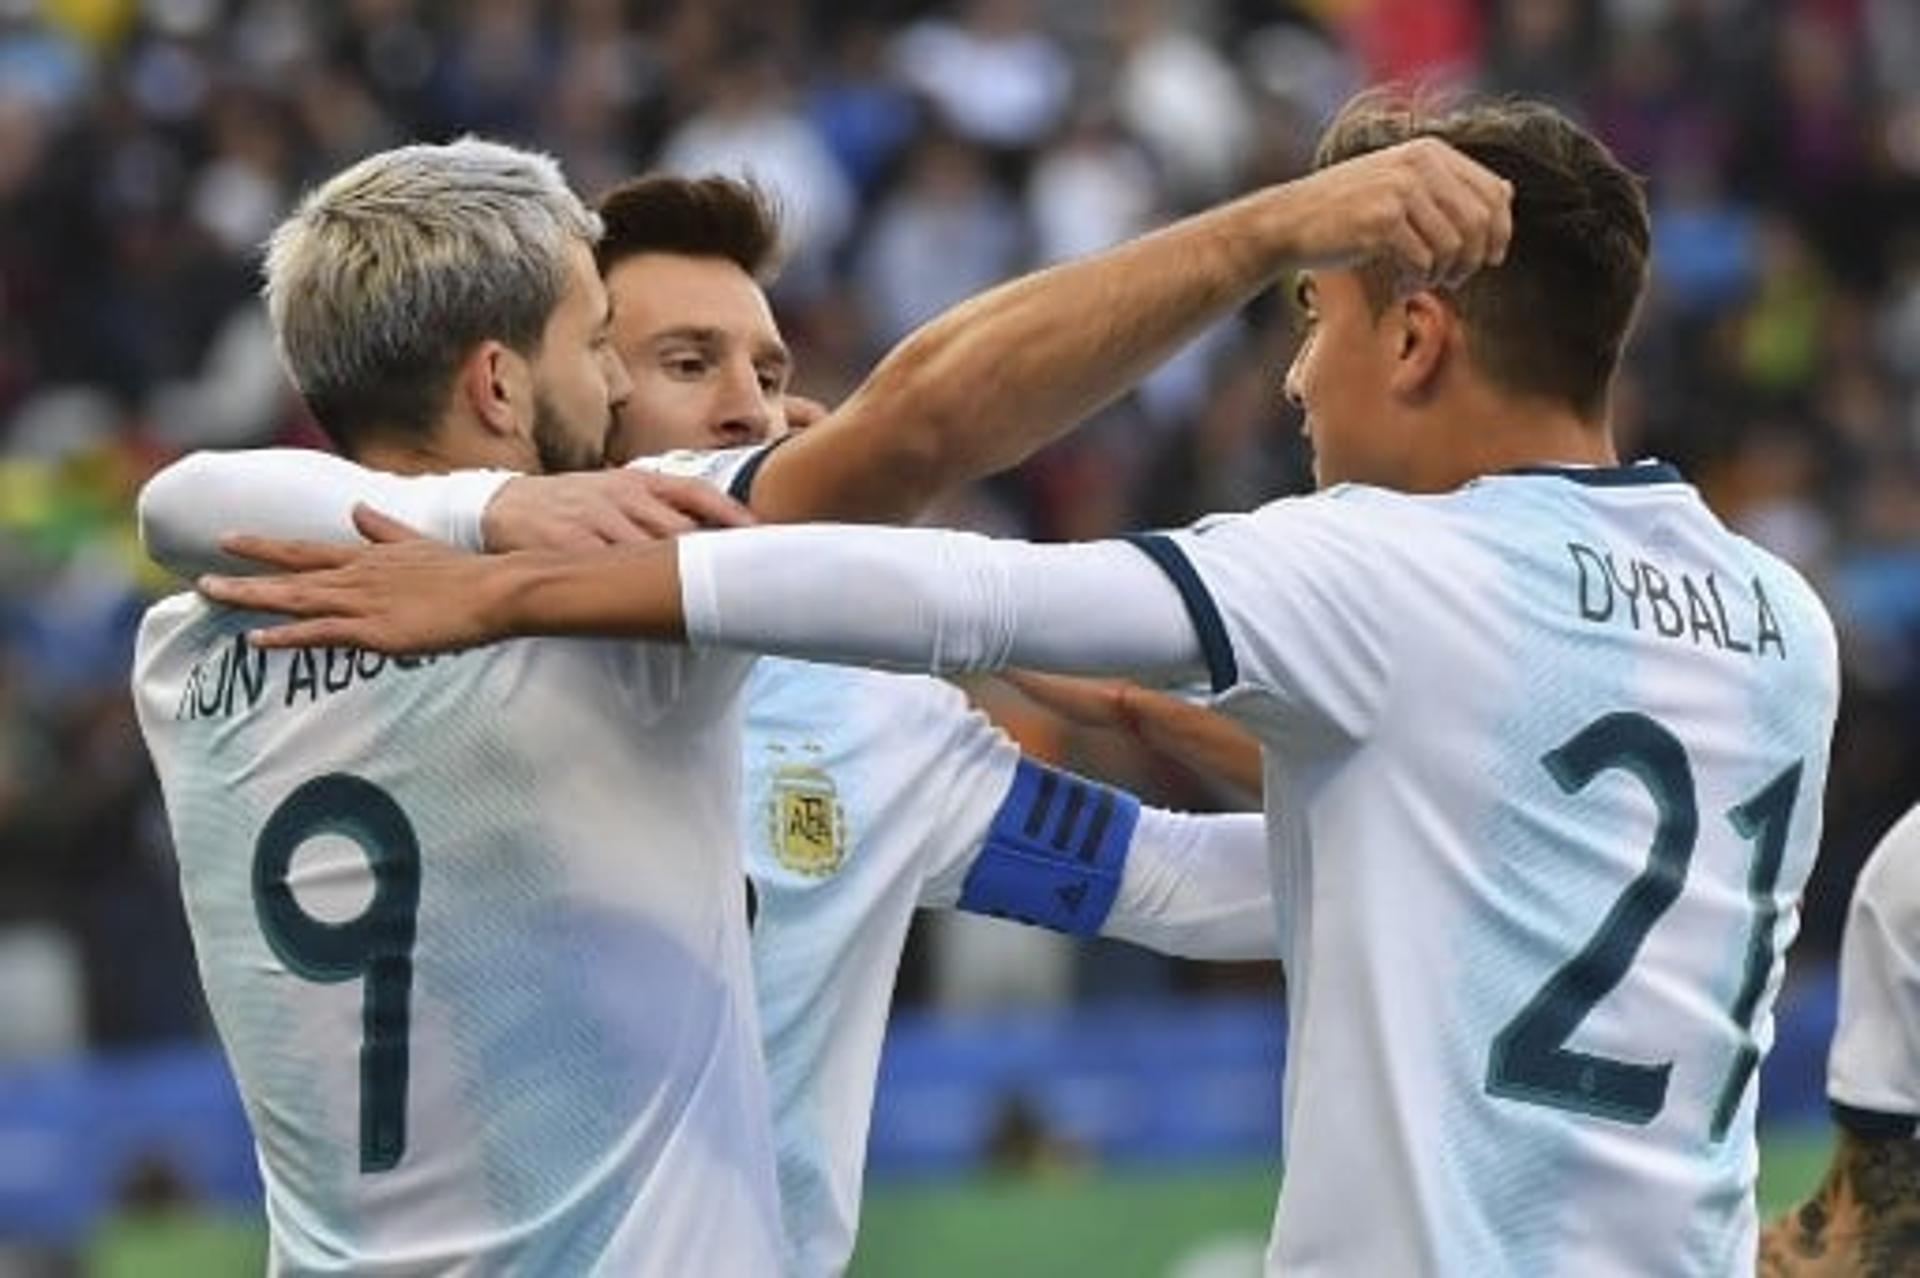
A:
x: 692, y: 217
x: 1552, y: 318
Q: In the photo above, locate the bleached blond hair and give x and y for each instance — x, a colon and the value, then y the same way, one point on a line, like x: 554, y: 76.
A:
x: 390, y: 272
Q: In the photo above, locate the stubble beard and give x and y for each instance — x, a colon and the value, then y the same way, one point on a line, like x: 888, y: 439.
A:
x: 556, y: 448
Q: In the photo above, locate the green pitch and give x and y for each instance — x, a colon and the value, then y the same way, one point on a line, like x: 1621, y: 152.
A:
x: 1175, y: 1224
x: 1141, y: 1225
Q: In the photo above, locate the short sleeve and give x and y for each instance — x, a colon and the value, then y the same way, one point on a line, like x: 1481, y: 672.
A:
x: 964, y: 760
x: 1873, y: 1074
x: 1287, y: 604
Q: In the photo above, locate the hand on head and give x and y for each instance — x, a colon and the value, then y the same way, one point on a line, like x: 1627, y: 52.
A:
x: 1436, y: 214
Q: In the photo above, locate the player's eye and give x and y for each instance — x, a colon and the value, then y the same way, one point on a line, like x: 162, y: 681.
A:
x: 685, y: 365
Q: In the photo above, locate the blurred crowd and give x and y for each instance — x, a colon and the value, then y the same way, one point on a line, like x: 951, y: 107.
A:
x: 921, y: 152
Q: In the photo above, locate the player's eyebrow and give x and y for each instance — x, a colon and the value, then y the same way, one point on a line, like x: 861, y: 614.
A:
x: 699, y: 334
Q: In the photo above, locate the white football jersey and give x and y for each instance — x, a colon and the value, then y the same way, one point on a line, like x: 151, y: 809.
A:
x: 869, y: 795
x: 1873, y: 1072
x: 1544, y: 766
x: 471, y: 931
x: 866, y: 796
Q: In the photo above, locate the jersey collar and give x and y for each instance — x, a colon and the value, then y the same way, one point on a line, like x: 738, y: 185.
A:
x: 1632, y: 475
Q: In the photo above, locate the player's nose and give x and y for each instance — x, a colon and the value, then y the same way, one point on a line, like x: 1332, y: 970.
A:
x: 1291, y: 389
x: 619, y: 384
x: 745, y: 411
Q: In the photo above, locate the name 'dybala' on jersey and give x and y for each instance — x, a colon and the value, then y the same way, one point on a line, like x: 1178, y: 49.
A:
x: 1674, y: 604
x: 236, y: 676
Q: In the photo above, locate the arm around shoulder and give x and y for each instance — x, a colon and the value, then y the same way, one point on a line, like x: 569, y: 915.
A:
x: 294, y: 493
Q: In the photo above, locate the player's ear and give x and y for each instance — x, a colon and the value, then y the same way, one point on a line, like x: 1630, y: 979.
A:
x: 494, y: 381
x: 1425, y: 325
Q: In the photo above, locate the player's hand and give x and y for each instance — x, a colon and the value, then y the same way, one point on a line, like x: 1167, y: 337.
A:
x: 589, y: 509
x: 1203, y: 739
x: 402, y: 594
x: 1438, y: 215
x: 802, y: 412
x: 1088, y: 703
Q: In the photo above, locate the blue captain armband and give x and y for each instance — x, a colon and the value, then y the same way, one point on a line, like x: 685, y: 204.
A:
x: 1055, y: 852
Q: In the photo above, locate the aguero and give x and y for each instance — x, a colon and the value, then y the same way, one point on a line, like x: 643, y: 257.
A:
x: 1535, y: 874
x: 472, y: 930
x: 867, y: 795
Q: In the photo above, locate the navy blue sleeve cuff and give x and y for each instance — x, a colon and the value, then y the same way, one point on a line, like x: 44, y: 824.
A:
x: 741, y: 486
x: 1222, y: 670
x: 1872, y: 1123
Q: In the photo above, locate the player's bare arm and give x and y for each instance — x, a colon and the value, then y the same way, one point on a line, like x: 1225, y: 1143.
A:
x: 1862, y: 1222
x: 410, y: 593
x: 980, y: 388
x: 1203, y: 740
x: 983, y: 386
x: 603, y: 508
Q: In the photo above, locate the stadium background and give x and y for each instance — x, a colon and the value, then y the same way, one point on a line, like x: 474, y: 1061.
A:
x: 1044, y: 1108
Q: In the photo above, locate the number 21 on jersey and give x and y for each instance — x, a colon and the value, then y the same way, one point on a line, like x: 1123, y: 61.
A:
x: 1530, y: 1060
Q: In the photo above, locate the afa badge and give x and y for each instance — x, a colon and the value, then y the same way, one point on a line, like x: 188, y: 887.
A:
x: 809, y: 829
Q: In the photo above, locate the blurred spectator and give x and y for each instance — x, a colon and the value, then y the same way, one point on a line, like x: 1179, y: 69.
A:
x: 40, y: 63
x: 1178, y: 93
x: 1538, y: 48
x: 997, y: 77
x: 497, y: 68
x: 1781, y: 329
x: 947, y: 232
x: 865, y: 117
x: 1706, y: 250
x: 1091, y: 189
x: 42, y: 1011
x: 749, y: 126
x: 1436, y: 42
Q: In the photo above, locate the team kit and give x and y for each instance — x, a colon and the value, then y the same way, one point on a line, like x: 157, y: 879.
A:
x: 556, y: 767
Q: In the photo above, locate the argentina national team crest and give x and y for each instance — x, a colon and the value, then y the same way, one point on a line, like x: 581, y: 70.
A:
x: 809, y: 829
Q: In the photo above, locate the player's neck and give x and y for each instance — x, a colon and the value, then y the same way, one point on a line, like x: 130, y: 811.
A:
x: 1500, y: 433
x: 443, y: 452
